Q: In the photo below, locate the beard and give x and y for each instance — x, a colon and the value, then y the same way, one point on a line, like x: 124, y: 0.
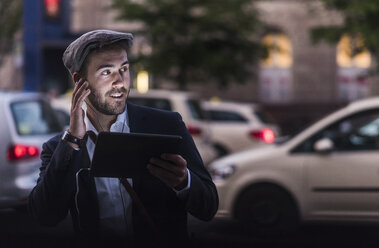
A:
x: 113, y: 108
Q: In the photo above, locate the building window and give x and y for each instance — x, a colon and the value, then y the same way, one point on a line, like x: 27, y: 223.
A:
x: 353, y: 61
x: 275, y: 70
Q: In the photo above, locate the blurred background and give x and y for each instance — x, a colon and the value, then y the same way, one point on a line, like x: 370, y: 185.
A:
x: 298, y: 59
x: 243, y: 73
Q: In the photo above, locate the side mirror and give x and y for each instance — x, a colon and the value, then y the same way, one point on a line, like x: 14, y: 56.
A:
x: 324, y: 145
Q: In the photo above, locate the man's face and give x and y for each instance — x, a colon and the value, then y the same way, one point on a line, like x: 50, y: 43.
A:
x: 109, y: 80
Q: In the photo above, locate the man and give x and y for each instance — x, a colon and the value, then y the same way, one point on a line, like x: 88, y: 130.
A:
x: 177, y: 184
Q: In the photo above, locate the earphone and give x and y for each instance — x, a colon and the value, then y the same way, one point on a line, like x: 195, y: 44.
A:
x: 97, y: 118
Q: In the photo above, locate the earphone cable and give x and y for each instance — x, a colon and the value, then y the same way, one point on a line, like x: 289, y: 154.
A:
x: 97, y: 118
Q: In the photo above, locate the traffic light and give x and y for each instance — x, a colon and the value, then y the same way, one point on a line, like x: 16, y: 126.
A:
x: 52, y: 9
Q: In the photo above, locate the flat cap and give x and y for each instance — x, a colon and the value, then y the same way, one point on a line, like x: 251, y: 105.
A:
x: 79, y: 49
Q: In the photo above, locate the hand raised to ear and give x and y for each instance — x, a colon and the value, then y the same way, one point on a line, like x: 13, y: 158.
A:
x: 77, y: 125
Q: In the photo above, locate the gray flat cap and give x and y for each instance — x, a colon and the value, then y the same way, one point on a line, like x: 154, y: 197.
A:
x: 78, y: 50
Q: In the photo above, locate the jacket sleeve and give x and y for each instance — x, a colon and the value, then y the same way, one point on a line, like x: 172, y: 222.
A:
x: 202, y: 199
x: 52, y: 197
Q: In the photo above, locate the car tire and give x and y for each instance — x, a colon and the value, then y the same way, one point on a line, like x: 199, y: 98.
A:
x: 267, y: 210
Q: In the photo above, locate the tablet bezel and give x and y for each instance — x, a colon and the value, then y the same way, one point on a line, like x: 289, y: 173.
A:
x: 127, y: 154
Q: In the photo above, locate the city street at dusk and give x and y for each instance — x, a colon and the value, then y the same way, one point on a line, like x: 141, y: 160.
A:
x: 261, y: 116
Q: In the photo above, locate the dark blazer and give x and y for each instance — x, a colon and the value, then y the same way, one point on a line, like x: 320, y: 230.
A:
x: 65, y: 184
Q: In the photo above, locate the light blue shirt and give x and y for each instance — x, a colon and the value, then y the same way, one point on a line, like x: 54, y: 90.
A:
x: 115, y: 203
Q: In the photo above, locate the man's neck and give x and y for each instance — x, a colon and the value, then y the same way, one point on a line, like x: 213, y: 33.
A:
x: 100, y: 121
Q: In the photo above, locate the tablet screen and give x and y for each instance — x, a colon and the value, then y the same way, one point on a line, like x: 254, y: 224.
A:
x: 127, y: 154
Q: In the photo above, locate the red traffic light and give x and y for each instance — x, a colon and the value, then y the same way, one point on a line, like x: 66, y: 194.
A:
x: 52, y: 8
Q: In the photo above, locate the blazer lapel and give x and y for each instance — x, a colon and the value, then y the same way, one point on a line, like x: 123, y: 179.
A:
x: 136, y: 117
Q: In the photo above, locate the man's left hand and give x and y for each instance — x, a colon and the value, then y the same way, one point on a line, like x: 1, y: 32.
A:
x: 170, y: 169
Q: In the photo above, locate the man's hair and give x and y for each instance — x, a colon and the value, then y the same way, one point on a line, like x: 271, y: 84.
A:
x: 114, y: 46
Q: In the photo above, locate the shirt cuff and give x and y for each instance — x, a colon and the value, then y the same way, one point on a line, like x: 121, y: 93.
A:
x: 179, y: 192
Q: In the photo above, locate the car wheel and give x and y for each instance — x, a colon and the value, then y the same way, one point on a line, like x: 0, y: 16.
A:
x: 267, y: 209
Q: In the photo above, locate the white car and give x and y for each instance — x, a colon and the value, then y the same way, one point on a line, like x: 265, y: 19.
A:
x: 238, y: 126
x: 27, y: 121
x: 189, y: 108
x: 328, y: 172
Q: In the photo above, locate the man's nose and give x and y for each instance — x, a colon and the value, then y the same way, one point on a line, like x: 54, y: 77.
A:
x: 119, y: 78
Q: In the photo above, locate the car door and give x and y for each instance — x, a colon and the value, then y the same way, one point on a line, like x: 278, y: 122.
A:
x: 229, y: 130
x: 344, y: 181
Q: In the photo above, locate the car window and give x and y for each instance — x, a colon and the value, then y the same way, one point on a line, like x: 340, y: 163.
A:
x: 263, y: 116
x: 63, y: 117
x: 225, y: 116
x: 158, y: 103
x: 34, y: 117
x: 196, y: 111
x: 354, y: 133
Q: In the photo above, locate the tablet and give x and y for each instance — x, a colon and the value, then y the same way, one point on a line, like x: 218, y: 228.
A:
x: 127, y: 154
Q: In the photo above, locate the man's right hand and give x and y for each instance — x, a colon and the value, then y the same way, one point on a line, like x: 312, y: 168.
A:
x: 77, y: 126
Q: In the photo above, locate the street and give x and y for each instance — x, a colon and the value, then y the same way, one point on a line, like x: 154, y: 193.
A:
x: 18, y: 230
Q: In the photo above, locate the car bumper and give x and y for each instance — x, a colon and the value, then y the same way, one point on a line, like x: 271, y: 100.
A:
x: 224, y: 211
x: 17, y: 186
x: 206, y: 150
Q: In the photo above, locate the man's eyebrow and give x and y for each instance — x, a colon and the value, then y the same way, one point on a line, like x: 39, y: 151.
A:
x: 110, y: 65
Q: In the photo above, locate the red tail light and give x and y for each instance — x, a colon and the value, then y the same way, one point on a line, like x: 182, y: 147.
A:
x: 266, y: 135
x: 16, y: 152
x: 194, y: 130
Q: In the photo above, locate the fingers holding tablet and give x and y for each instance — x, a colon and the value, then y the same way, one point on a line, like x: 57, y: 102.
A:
x: 171, y: 169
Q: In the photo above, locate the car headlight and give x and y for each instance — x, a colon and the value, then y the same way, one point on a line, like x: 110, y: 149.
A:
x: 223, y: 172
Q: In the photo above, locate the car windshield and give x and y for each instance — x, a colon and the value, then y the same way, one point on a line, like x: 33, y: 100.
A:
x: 285, y: 138
x: 195, y: 109
x: 34, y: 117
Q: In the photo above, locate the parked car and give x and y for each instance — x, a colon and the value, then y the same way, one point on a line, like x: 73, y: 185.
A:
x: 27, y: 122
x: 239, y: 126
x: 328, y: 172
x: 189, y: 107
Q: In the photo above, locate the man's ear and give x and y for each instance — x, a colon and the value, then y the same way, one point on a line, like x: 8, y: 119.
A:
x: 76, y: 77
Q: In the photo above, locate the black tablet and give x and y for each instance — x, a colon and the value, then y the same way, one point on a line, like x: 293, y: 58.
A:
x: 127, y: 154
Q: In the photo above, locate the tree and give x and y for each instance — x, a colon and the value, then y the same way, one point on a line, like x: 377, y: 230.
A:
x: 10, y: 19
x: 361, y: 18
x: 196, y: 41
